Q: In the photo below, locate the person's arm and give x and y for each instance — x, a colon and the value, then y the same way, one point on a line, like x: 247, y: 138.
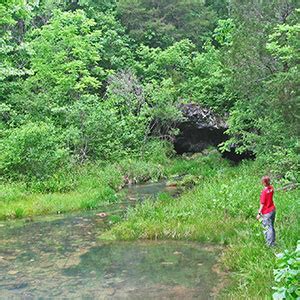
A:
x: 259, y: 211
x: 262, y: 202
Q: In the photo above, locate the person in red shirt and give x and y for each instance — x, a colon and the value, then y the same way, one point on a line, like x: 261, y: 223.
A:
x: 267, y: 211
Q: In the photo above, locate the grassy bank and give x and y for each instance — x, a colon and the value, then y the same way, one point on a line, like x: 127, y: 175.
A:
x: 92, y: 185
x: 88, y: 187
x: 222, y: 209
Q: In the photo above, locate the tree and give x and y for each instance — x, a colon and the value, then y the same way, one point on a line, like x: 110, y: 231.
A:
x: 14, y: 57
x: 64, y: 57
x: 161, y: 23
x: 64, y: 61
x: 266, y: 121
x: 32, y: 152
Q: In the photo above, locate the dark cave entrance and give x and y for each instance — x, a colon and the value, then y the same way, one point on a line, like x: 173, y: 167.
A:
x: 193, y: 140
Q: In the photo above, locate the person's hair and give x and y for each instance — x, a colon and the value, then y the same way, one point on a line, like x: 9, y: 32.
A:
x: 266, y: 180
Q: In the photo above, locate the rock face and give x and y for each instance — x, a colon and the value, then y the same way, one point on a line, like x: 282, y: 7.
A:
x: 201, y: 128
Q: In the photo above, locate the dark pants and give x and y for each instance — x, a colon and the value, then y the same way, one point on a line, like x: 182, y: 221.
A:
x: 268, y: 224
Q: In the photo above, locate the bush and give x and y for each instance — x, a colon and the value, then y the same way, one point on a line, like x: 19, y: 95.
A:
x: 63, y: 180
x: 137, y: 171
x: 285, y: 163
x: 31, y: 152
x: 287, y: 274
x: 189, y: 181
x: 158, y: 151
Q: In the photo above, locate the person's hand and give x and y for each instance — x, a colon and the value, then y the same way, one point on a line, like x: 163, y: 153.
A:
x: 258, y: 217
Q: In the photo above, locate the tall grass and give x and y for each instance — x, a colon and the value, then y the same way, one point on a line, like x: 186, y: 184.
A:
x: 91, y: 185
x: 221, y: 209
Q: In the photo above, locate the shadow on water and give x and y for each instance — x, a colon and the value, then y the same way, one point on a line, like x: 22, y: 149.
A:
x: 60, y: 257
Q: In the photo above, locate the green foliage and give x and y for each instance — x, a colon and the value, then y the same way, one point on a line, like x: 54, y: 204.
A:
x: 64, y: 57
x: 100, y: 5
x: 156, y: 64
x: 116, y: 47
x: 31, y: 152
x: 87, y: 86
x: 107, y: 74
x: 99, y: 131
x: 184, y: 75
x: 208, y: 80
x: 137, y: 171
x: 284, y: 162
x: 224, y: 32
x: 200, y: 164
x: 284, y: 42
x: 287, y: 274
x: 189, y: 181
x: 163, y: 72
x: 282, y: 86
x: 164, y: 109
x: 12, y: 51
x: 158, y: 151
x: 83, y: 187
x: 264, y: 119
x: 161, y: 23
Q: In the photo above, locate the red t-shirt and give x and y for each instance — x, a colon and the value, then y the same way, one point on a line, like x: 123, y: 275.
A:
x: 266, y: 198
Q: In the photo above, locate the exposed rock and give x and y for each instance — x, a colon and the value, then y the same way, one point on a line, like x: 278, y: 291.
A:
x: 203, y: 117
x: 12, y: 272
x: 201, y: 128
x: 171, y: 184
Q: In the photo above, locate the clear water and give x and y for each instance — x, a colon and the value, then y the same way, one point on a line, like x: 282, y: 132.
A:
x: 60, y: 257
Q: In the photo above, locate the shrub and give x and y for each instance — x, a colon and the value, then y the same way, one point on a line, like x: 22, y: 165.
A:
x: 31, y: 152
x: 137, y: 171
x: 285, y: 163
x: 287, y: 274
x: 158, y: 151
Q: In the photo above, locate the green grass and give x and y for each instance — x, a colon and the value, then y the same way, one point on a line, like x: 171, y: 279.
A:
x: 93, y: 186
x: 221, y: 209
x: 89, y: 186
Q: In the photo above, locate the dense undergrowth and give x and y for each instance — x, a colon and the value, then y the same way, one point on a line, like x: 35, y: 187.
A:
x: 91, y: 185
x: 221, y: 209
x: 79, y: 188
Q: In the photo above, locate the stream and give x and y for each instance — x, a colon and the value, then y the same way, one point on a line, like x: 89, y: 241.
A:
x: 60, y: 257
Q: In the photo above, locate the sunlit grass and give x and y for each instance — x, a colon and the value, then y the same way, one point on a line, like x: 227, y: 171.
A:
x: 41, y: 204
x: 89, y: 186
x: 222, y: 209
x: 94, y: 186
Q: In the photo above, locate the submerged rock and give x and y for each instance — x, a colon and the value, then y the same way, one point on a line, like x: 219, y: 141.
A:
x: 102, y: 215
x: 171, y: 184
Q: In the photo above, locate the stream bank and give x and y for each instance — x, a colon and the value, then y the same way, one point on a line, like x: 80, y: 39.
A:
x: 221, y: 209
x: 93, y: 185
x: 61, y: 256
